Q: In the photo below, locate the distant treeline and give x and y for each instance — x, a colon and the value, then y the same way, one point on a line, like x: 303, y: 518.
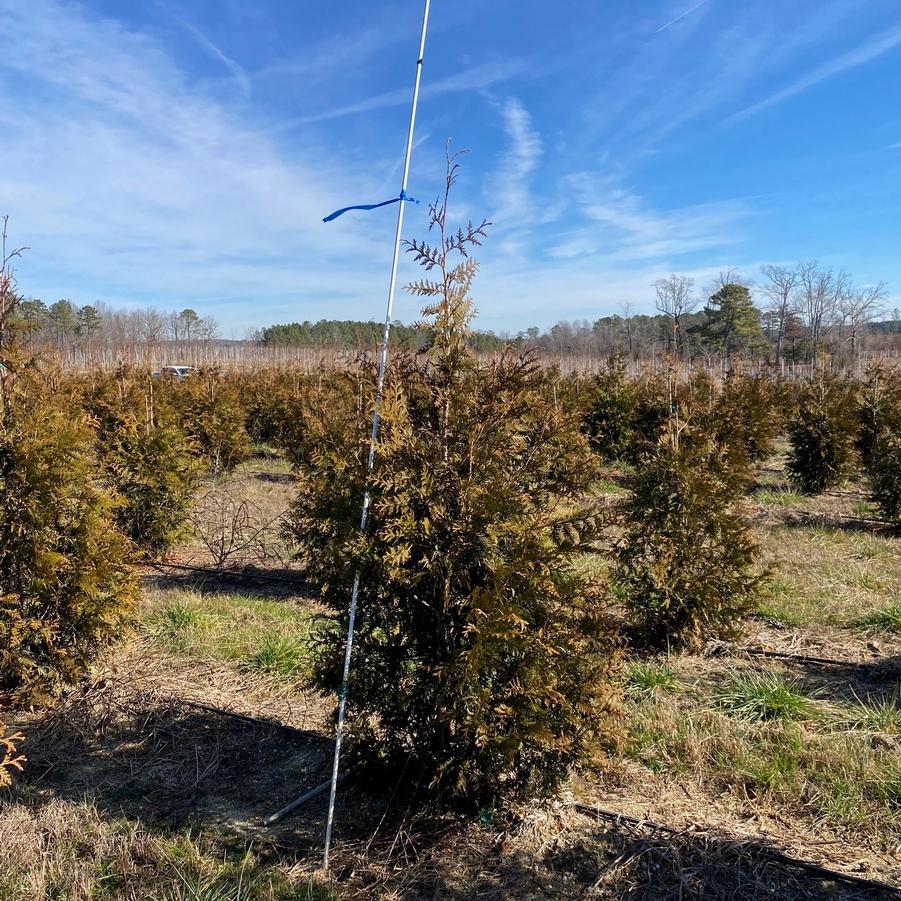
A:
x: 798, y: 316
x: 354, y: 334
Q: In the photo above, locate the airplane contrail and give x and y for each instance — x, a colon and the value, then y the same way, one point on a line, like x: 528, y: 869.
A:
x: 681, y: 16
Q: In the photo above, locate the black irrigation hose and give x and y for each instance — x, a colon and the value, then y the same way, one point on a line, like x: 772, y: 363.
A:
x: 769, y: 854
x: 801, y: 658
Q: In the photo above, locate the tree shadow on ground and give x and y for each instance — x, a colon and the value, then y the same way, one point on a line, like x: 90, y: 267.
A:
x: 597, y: 860
x: 168, y: 764
x: 850, y: 683
x: 272, y: 584
x: 797, y: 519
x: 277, y: 478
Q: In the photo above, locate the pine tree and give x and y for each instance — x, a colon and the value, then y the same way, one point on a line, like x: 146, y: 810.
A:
x: 63, y: 319
x: 483, y: 660
x: 88, y: 321
x: 732, y: 323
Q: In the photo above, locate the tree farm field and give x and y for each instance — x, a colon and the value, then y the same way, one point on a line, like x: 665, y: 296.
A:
x: 142, y: 784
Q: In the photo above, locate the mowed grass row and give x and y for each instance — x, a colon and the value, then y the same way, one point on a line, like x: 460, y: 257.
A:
x: 270, y: 637
x: 766, y: 738
x: 829, y: 576
x: 759, y: 735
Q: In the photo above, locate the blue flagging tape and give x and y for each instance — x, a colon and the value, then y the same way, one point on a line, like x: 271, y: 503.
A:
x: 370, y: 206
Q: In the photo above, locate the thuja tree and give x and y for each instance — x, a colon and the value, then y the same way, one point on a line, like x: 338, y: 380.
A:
x: 610, y: 418
x: 747, y: 416
x: 483, y: 660
x: 65, y: 584
x: 822, y: 433
x: 146, y: 457
x: 685, y: 564
x: 213, y: 416
x: 879, y: 440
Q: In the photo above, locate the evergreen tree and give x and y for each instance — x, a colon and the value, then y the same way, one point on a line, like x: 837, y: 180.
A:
x: 89, y: 321
x: 685, y: 565
x: 66, y: 586
x: 823, y: 433
x: 212, y: 415
x: 146, y: 457
x: 879, y: 440
x: 732, y: 323
x: 483, y: 659
x: 62, y: 319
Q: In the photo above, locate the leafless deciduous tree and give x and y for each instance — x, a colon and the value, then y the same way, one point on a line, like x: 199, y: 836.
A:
x: 858, y: 307
x: 779, y: 289
x: 675, y: 300
x: 818, y: 294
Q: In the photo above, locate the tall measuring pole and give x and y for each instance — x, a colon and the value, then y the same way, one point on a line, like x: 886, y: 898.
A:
x: 364, y: 516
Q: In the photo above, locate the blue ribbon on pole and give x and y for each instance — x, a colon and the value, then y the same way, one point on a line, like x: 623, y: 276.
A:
x: 403, y: 196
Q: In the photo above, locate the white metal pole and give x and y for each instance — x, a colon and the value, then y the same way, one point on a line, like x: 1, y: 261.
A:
x: 364, y: 516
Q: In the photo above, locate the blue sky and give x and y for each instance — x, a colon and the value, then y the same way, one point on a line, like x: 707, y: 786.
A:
x: 183, y: 152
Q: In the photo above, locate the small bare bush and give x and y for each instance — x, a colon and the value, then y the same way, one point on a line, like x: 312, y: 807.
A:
x: 232, y: 527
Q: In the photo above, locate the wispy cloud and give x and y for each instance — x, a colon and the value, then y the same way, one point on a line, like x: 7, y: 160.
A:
x: 152, y: 191
x: 509, y: 189
x: 680, y: 17
x: 661, y: 86
x: 475, y: 78
x: 241, y: 77
x: 623, y: 226
x: 865, y: 53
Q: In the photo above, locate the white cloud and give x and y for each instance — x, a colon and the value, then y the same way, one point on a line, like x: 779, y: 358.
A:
x: 623, y: 226
x: 509, y: 189
x: 872, y: 49
x: 128, y: 183
x: 474, y: 78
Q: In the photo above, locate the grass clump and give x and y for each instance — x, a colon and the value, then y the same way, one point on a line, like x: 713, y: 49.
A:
x: 278, y: 655
x: 762, y: 697
x: 261, y: 635
x: 887, y: 619
x: 646, y: 678
x: 881, y: 715
x: 779, y: 497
